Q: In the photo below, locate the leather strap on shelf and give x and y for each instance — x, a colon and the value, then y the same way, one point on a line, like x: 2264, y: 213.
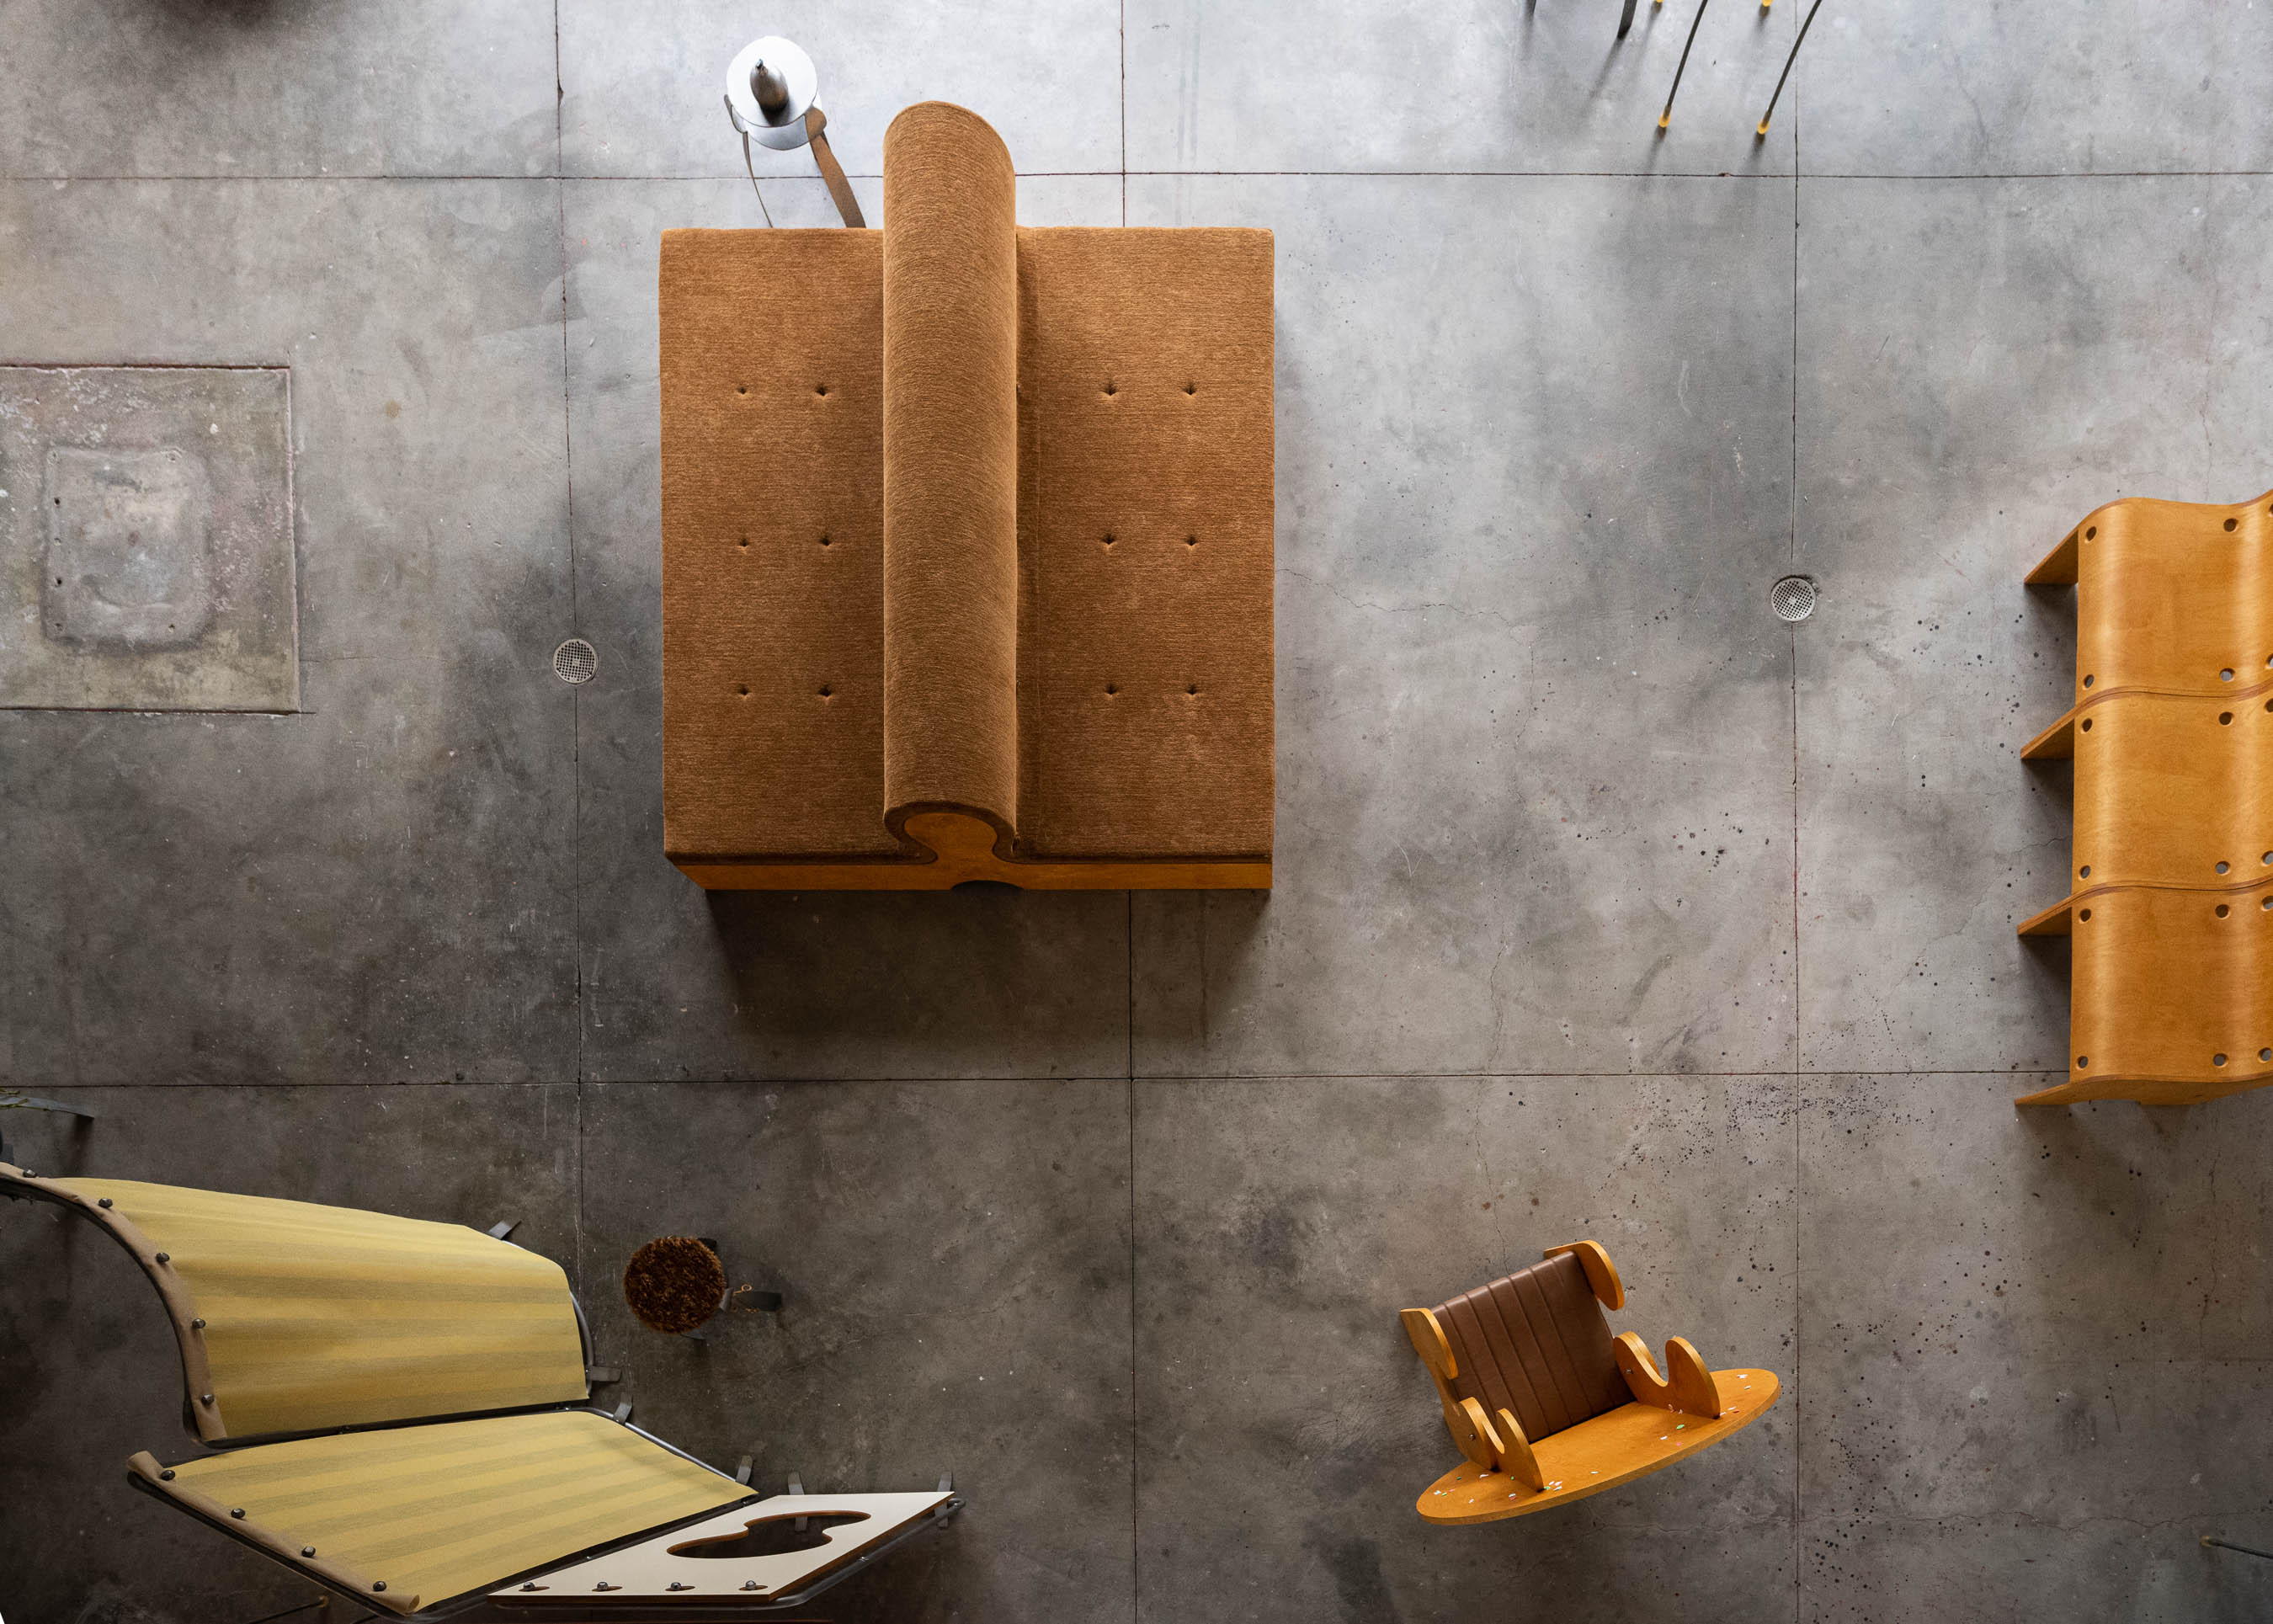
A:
x: 831, y: 171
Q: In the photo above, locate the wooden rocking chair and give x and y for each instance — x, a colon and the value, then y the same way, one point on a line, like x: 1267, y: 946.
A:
x: 1548, y: 1407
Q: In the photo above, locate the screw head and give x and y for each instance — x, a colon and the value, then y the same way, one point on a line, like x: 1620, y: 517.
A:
x: 675, y: 1585
x: 205, y: 1398
x: 165, y: 1257
x: 307, y: 1550
x: 530, y: 1585
x: 165, y: 1476
x: 236, y: 1511
x: 378, y: 1585
x: 749, y: 1584
x: 197, y: 1325
x: 102, y: 1202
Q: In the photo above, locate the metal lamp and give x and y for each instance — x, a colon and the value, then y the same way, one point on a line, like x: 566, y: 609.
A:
x: 770, y: 90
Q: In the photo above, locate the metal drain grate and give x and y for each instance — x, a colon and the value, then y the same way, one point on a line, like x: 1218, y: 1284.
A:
x: 577, y: 661
x: 1793, y: 598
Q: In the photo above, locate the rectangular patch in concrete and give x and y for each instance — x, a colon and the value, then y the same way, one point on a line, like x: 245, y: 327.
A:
x: 146, y: 539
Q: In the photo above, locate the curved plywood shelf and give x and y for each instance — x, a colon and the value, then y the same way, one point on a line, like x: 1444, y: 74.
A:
x: 1629, y: 1442
x: 2170, y: 909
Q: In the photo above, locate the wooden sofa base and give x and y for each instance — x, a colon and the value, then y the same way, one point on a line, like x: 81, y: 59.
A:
x: 963, y: 849
x: 1630, y: 1441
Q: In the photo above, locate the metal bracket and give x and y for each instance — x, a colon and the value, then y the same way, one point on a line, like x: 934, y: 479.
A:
x: 624, y: 1410
x: 946, y: 1483
x: 742, y: 1472
x: 602, y: 1375
x: 11, y: 1100
x: 503, y: 1227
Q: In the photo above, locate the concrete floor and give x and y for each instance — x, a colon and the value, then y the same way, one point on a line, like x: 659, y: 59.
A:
x: 1608, y: 904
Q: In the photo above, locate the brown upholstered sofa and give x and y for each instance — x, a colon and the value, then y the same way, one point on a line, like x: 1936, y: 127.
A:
x: 966, y: 544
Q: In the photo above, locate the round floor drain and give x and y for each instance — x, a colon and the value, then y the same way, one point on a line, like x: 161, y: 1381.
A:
x: 577, y: 661
x: 1793, y: 598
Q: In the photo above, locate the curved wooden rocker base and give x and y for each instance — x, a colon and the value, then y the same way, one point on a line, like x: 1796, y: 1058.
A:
x: 1630, y: 1441
x: 964, y: 848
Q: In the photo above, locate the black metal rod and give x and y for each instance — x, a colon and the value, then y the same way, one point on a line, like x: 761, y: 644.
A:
x: 1761, y: 132
x: 289, y: 1613
x: 1625, y: 18
x: 2227, y: 1544
x: 1666, y: 117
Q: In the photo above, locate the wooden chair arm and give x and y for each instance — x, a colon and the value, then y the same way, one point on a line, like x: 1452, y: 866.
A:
x: 1602, y: 1274
x: 1436, y: 1353
x: 1510, y: 1449
x: 1428, y: 1341
x: 1690, y: 1388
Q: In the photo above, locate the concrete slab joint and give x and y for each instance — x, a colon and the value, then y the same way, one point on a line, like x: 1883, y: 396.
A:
x: 147, y: 554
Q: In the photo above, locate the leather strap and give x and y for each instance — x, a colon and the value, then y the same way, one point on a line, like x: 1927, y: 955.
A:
x: 763, y: 209
x: 839, y: 188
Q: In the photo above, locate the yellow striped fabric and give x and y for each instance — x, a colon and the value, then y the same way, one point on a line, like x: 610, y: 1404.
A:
x: 436, y: 1511
x: 325, y: 1316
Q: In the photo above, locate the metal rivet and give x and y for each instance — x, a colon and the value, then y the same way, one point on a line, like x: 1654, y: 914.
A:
x: 197, y: 1325
x: 378, y: 1585
x: 236, y: 1511
x: 307, y: 1550
x: 674, y: 1585
x: 749, y: 1584
x: 165, y: 1476
x: 205, y: 1398
x: 103, y: 1201
x: 530, y: 1585
x: 165, y: 1257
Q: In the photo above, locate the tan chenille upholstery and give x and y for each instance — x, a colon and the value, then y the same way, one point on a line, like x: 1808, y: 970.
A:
x: 969, y: 522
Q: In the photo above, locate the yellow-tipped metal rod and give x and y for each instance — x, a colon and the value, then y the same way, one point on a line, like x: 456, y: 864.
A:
x: 1666, y: 117
x: 1761, y: 132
